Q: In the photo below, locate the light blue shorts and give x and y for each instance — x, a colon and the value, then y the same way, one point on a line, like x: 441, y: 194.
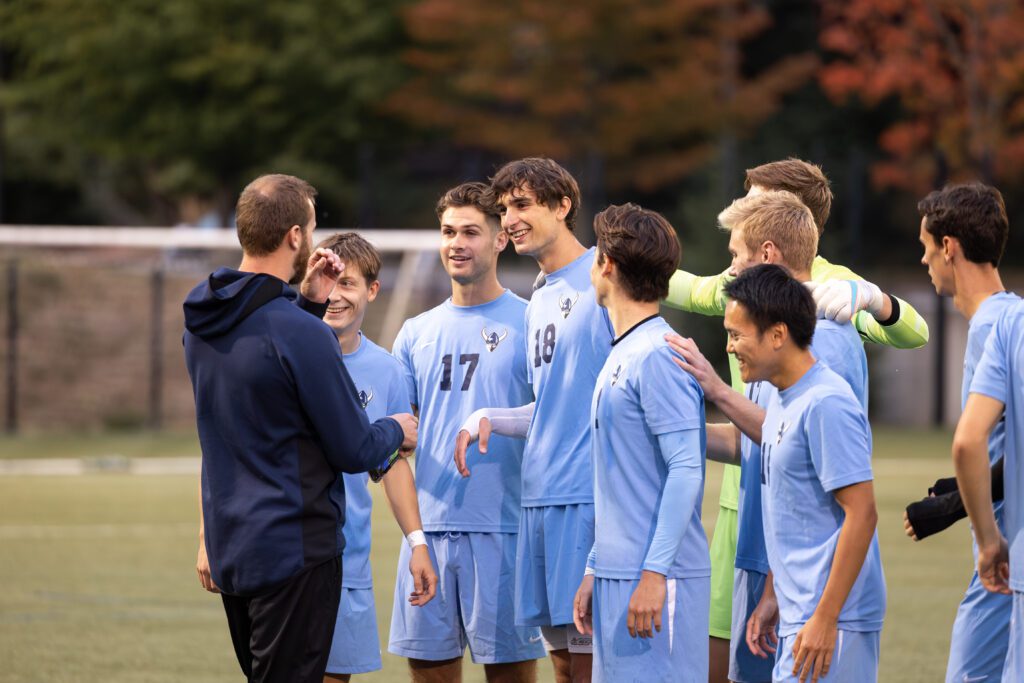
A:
x: 676, y: 654
x: 981, y: 631
x: 1013, y: 670
x: 854, y: 660
x: 744, y: 665
x: 355, y: 648
x: 554, y: 542
x: 473, y: 605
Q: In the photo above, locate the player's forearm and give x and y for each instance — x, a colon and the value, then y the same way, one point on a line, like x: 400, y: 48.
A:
x: 723, y: 444
x: 511, y: 422
x: 400, y: 491
x: 697, y: 294
x: 681, y: 451
x: 908, y: 331
x: 742, y: 412
x: 974, y: 479
x: 861, y: 519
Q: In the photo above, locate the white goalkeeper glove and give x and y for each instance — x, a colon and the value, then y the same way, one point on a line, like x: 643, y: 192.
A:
x: 840, y: 300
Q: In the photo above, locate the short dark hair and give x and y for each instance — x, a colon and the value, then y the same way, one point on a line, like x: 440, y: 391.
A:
x: 549, y: 182
x: 268, y: 208
x: 973, y: 213
x: 475, y: 194
x: 354, y: 250
x: 804, y: 179
x: 644, y: 247
x: 771, y: 296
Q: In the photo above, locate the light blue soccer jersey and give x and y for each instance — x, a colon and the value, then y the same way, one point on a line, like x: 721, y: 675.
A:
x: 990, y: 310
x: 841, y: 349
x: 1000, y: 375
x: 640, y: 395
x: 458, y: 359
x: 815, y: 440
x: 568, y: 339
x: 382, y: 392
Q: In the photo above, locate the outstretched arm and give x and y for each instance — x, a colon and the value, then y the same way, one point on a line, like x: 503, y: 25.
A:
x: 697, y: 293
x: 513, y: 422
x: 400, y: 491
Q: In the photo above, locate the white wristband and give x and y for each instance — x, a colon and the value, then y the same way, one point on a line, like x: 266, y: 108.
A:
x: 589, y: 571
x: 416, y: 538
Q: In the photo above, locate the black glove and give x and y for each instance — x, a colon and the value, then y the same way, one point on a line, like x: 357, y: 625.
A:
x: 935, y: 513
x: 943, y: 486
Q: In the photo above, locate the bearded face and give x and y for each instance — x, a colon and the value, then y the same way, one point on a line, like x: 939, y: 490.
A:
x: 301, y: 262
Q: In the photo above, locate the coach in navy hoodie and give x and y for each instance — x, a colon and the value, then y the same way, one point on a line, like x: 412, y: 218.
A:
x: 278, y: 418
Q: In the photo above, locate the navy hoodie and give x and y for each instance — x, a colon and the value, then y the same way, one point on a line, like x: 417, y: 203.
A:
x: 278, y: 419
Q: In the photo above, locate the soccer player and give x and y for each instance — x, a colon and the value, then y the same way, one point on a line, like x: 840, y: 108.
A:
x: 648, y: 572
x: 964, y: 229
x: 816, y: 485
x: 270, y: 387
x: 995, y: 395
x: 880, y: 318
x: 569, y: 337
x: 770, y: 227
x: 380, y: 381
x: 466, y: 353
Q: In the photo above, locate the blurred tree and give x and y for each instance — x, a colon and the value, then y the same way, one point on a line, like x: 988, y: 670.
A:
x: 151, y: 104
x: 635, y: 93
x: 957, y: 71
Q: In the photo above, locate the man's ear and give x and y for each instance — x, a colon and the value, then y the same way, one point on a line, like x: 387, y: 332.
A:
x: 779, y: 333
x: 500, y: 240
x: 294, y: 237
x: 563, y: 209
x: 768, y: 252
x: 950, y: 248
x: 374, y: 289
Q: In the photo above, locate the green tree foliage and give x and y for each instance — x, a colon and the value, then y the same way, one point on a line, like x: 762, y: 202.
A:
x: 153, y: 102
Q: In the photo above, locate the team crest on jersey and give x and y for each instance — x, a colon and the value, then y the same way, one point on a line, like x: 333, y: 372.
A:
x: 365, y: 398
x: 565, y: 304
x: 782, y: 430
x: 616, y: 375
x: 492, y: 339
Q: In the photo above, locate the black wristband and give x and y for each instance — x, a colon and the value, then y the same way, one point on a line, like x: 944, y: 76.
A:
x: 895, y: 315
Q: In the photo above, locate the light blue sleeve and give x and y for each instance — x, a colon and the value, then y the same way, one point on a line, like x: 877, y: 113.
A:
x: 990, y: 378
x: 402, y: 350
x: 682, y: 453
x: 839, y: 440
x: 670, y: 398
x: 398, y: 393
x: 592, y: 558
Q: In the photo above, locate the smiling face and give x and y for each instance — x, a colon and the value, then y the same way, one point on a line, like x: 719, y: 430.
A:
x: 347, y: 303
x: 754, y: 350
x: 469, y: 245
x: 939, y: 269
x: 532, y: 227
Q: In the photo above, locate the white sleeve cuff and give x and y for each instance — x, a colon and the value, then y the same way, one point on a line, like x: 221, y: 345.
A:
x: 416, y: 538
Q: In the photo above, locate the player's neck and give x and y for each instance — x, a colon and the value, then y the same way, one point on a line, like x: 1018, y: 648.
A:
x: 560, y: 253
x: 482, y: 291
x: 350, y: 339
x: 625, y: 313
x: 974, y: 283
x: 791, y: 368
x: 279, y: 264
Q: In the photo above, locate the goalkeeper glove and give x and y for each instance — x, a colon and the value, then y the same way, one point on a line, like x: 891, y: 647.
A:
x: 840, y: 300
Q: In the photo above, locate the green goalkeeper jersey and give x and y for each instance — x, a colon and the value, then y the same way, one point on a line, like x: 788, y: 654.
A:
x: 706, y: 295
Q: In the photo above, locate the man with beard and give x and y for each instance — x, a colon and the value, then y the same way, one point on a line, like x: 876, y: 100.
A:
x: 269, y: 385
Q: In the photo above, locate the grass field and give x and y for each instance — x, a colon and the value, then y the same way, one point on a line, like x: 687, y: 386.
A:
x: 99, y: 583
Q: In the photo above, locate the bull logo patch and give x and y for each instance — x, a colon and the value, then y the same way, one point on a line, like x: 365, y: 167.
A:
x: 616, y: 375
x: 492, y: 339
x: 365, y: 398
x: 565, y: 305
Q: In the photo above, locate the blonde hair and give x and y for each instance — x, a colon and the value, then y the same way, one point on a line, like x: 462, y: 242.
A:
x: 806, y: 180
x: 778, y: 217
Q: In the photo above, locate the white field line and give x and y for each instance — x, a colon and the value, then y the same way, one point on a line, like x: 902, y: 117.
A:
x: 62, y: 467
x: 37, y: 532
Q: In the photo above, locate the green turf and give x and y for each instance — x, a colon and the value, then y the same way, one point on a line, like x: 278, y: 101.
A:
x: 99, y: 581
x: 128, y: 444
